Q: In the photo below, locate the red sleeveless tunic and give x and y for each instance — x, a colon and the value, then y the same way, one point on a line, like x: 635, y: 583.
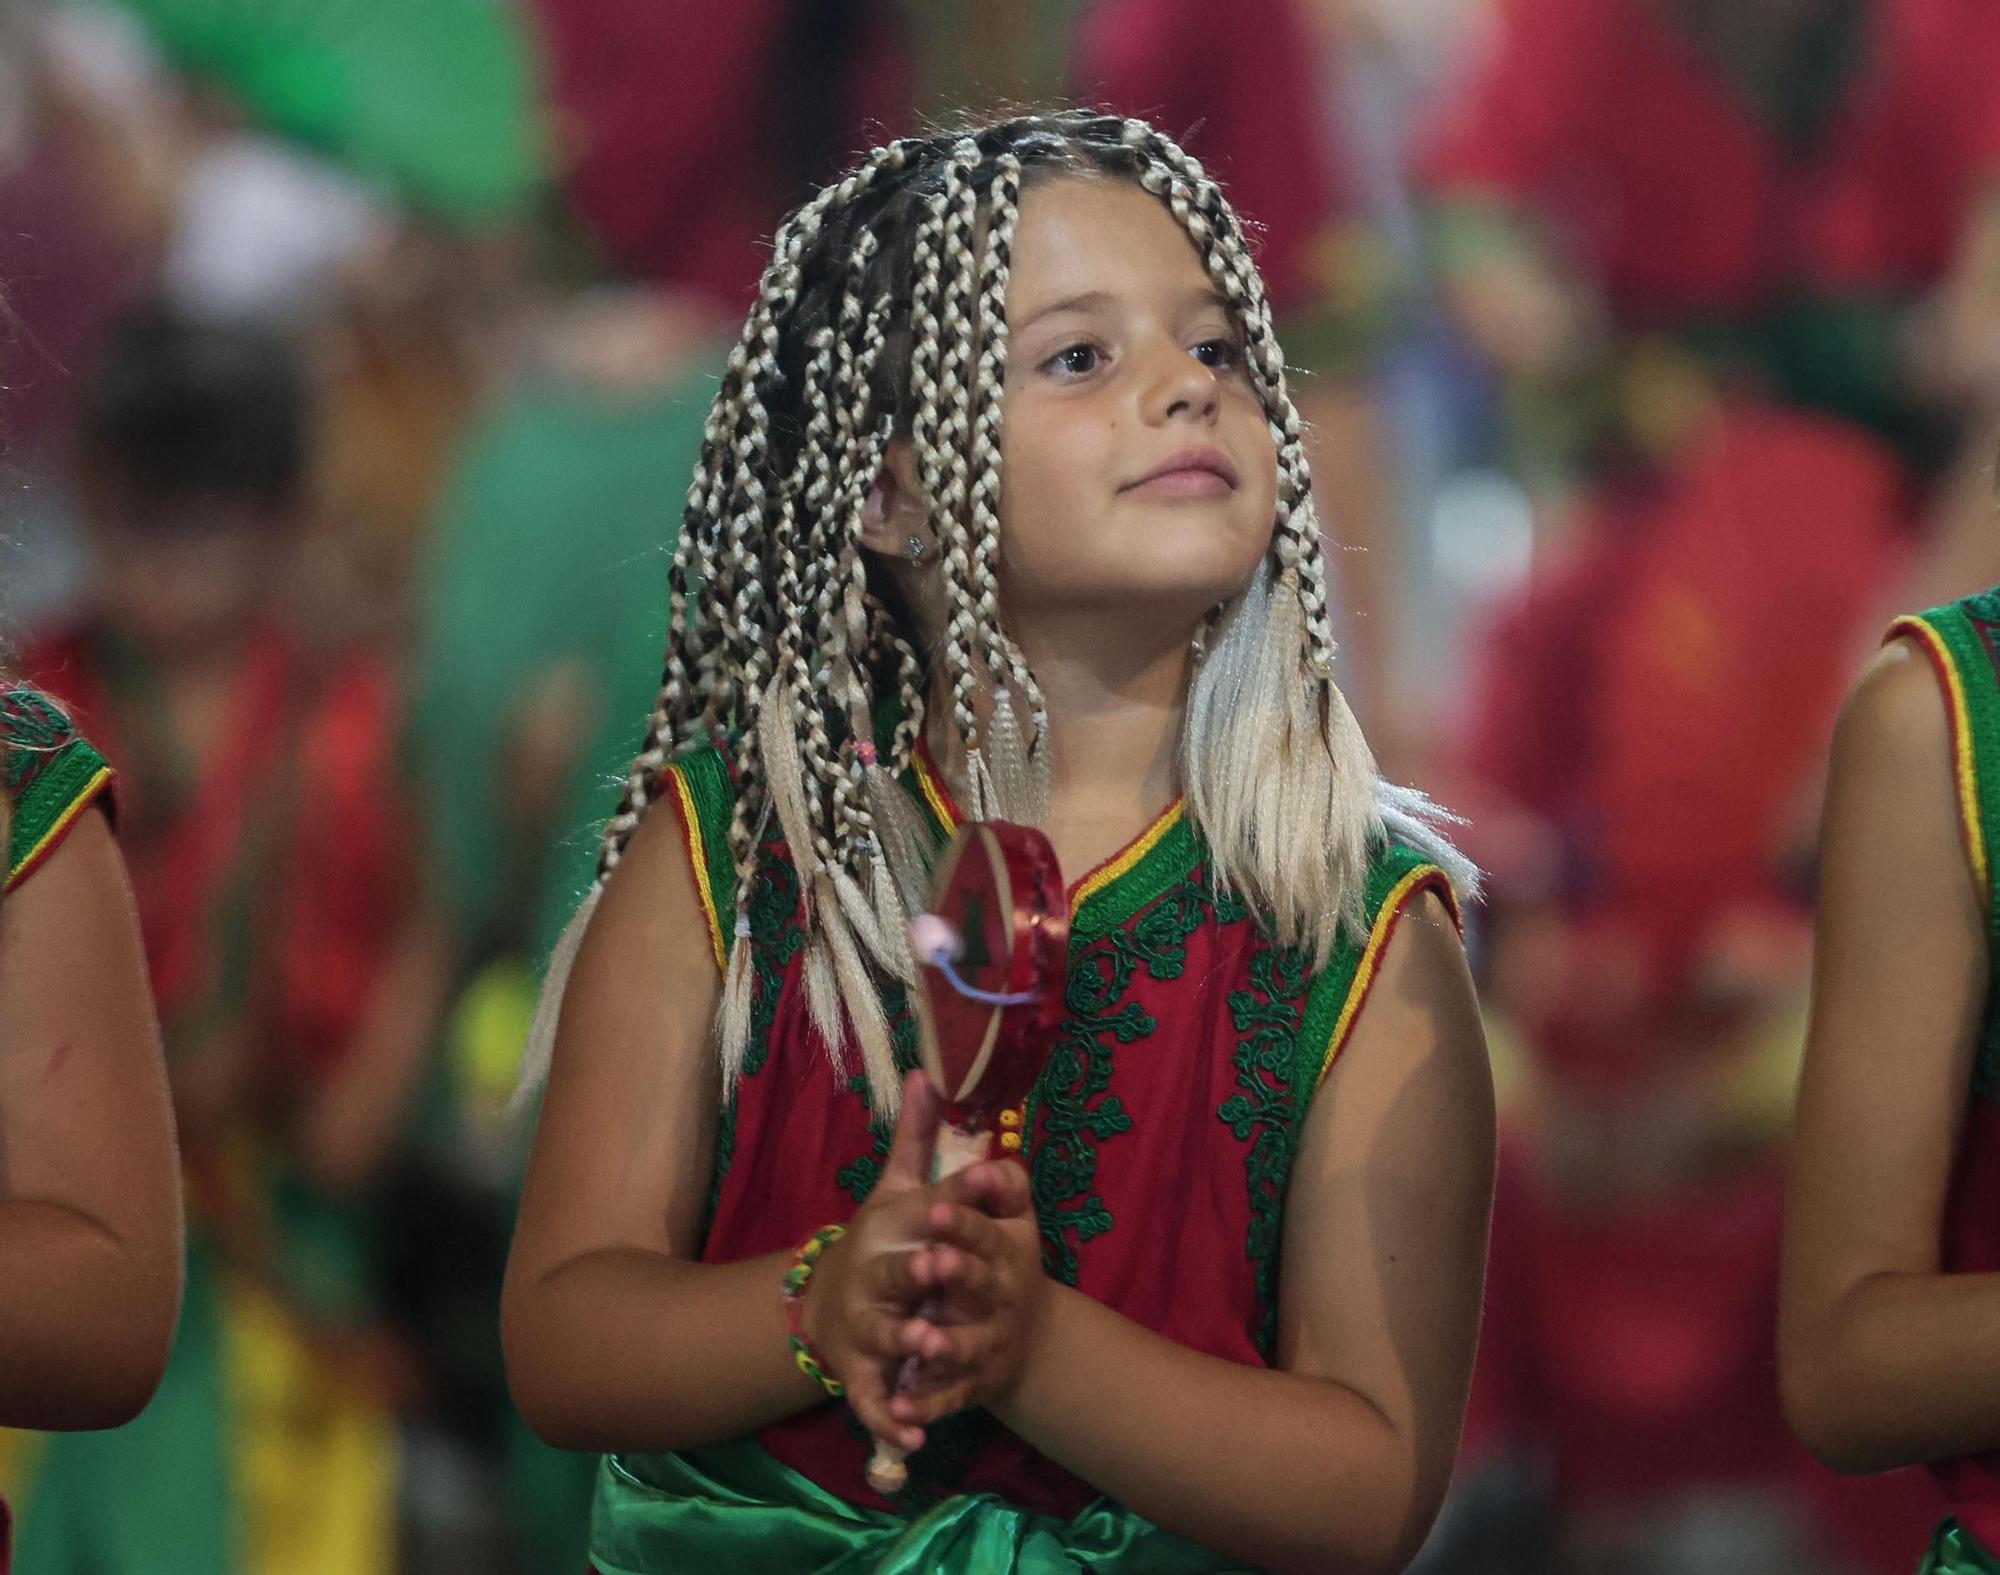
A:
x: 1158, y: 1140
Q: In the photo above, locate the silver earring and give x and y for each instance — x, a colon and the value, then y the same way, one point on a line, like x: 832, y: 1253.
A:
x: 913, y: 548
x: 1198, y: 646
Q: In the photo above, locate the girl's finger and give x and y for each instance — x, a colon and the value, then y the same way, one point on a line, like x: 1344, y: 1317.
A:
x: 956, y: 1225
x: 962, y: 1348
x: 878, y: 1335
x: 873, y: 1411
x: 889, y: 1277
x: 926, y: 1406
x: 970, y: 1286
x: 947, y: 1352
x: 996, y: 1187
x: 910, y: 1151
x: 922, y: 1339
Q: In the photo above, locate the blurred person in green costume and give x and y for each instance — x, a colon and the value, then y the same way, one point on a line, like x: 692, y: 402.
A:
x: 541, y: 620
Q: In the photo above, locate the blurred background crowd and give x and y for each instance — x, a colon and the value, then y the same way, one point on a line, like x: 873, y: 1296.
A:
x: 352, y: 365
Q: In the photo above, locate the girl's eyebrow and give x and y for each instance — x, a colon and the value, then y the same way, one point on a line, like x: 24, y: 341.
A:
x: 1093, y: 300
x: 1089, y: 300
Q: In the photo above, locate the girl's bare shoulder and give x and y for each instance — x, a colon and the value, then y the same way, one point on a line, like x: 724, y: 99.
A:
x: 1896, y: 713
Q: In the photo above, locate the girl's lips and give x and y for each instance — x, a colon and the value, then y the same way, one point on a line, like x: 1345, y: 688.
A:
x: 1194, y: 472
x: 1184, y: 484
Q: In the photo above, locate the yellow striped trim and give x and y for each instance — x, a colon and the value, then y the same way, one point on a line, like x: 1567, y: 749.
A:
x: 1963, y: 760
x: 1097, y: 879
x: 1371, y: 959
x: 698, y: 856
x: 1105, y: 874
x: 933, y: 790
x: 47, y: 843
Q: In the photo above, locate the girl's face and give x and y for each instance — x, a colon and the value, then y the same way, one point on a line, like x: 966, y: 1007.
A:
x: 1139, y: 474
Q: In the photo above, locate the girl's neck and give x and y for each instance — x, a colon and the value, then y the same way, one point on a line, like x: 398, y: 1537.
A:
x: 1115, y: 732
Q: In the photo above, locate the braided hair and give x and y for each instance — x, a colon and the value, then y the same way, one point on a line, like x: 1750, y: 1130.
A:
x: 883, y: 312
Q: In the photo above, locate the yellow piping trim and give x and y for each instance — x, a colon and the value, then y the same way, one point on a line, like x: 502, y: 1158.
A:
x: 1105, y: 874
x: 1098, y: 878
x: 698, y: 853
x: 933, y: 794
x: 1965, y: 764
x: 1371, y: 959
x: 64, y: 821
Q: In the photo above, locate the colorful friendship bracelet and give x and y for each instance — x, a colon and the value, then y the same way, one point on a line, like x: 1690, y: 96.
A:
x: 800, y: 1272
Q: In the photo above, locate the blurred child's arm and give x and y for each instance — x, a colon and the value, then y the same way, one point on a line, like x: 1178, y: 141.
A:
x: 90, y: 1214
x: 1338, y: 1459
x: 1884, y: 1359
x: 351, y: 1124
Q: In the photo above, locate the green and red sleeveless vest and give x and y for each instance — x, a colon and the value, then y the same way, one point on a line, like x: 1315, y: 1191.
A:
x: 1963, y: 644
x: 1158, y: 1140
x: 51, y: 774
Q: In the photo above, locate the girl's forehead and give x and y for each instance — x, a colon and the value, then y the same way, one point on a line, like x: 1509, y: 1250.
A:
x: 1097, y: 236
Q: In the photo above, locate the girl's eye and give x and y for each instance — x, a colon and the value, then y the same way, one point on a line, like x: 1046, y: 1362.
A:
x: 1076, y: 360
x: 1222, y: 354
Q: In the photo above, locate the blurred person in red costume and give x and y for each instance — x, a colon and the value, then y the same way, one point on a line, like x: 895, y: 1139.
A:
x: 290, y: 952
x: 1648, y: 718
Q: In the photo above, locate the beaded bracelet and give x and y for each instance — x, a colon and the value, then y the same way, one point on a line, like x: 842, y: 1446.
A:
x: 804, y: 1261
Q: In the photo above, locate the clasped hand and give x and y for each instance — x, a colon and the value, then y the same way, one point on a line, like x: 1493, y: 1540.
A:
x: 948, y: 1272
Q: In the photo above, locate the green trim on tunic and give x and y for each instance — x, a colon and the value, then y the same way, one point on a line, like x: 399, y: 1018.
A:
x: 1965, y: 635
x: 51, y: 774
x: 1331, y: 988
x: 713, y: 794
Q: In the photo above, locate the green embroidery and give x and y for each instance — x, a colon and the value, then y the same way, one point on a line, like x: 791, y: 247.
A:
x: 1169, y: 861
x: 857, y: 1178
x: 775, y: 938
x: 1286, y: 1019
x: 47, y: 767
x: 1264, y: 1111
x: 1073, y: 1112
x: 32, y: 729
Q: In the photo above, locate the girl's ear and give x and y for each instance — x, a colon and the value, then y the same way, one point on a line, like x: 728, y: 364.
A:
x: 896, y: 509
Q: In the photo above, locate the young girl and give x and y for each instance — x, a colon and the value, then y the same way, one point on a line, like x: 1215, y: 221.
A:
x: 90, y: 1220
x: 1892, y: 1249
x: 1216, y: 1308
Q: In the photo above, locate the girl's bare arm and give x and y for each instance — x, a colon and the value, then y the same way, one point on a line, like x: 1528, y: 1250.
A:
x: 90, y: 1203
x: 1884, y: 1359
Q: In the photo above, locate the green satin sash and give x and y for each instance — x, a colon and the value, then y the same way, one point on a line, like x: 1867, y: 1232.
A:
x: 734, y: 1507
x: 1955, y: 1552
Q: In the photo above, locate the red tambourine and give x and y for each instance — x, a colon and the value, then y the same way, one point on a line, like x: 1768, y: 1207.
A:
x: 992, y: 956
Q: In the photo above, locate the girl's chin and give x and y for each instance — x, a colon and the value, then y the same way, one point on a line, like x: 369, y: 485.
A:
x: 1129, y: 600
x: 1148, y: 580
